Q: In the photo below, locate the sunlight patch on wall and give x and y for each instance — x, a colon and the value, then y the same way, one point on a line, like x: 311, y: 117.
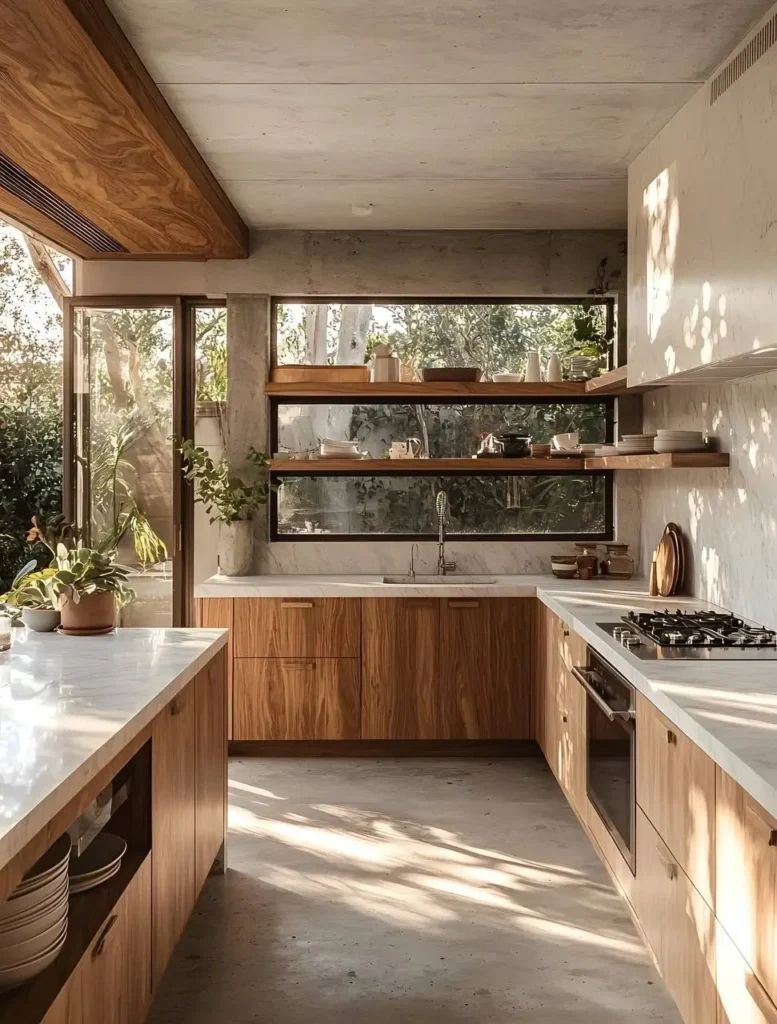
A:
x: 662, y: 204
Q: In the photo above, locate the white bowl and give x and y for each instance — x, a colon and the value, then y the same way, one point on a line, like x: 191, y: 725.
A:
x: 508, y: 378
x: 30, y: 924
x: 46, y: 895
x: 49, y: 865
x: 17, y: 975
x: 29, y: 948
x: 103, y: 853
x: 82, y: 885
x: 563, y: 441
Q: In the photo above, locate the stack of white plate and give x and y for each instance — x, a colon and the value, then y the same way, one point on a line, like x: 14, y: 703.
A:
x: 680, y: 441
x: 33, y: 920
x: 636, y: 444
x: 606, y: 449
x: 100, y: 861
x: 583, y: 367
x: 331, y: 449
x: 587, y: 450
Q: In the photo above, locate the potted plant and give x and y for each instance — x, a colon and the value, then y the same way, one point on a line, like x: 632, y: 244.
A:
x: 229, y: 500
x: 34, y: 594
x: 90, y: 588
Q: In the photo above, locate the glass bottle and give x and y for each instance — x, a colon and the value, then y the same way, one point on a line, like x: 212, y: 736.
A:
x: 618, y: 563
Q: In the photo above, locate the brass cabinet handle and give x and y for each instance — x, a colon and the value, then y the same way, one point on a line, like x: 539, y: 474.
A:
x: 100, y: 946
x: 761, y: 998
x: 296, y: 604
x: 566, y: 632
x: 175, y: 706
x: 671, y: 737
x: 463, y: 603
x: 298, y: 664
x: 669, y: 864
x: 564, y: 717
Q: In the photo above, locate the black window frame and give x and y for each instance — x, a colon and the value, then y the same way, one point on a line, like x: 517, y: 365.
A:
x: 366, y: 399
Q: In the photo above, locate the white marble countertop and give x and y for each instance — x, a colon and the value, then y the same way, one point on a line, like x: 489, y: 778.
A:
x: 729, y: 708
x: 69, y: 705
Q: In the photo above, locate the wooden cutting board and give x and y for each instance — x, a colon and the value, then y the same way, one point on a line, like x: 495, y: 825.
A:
x: 667, y: 564
x: 677, y: 536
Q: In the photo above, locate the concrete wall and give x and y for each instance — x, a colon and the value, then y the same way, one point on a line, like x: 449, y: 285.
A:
x: 374, y: 264
x: 702, y: 231
x: 728, y: 516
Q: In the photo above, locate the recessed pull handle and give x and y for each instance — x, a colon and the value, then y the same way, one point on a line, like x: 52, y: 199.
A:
x: 462, y: 603
x: 176, y: 706
x: 761, y: 998
x: 666, y: 860
x: 300, y: 666
x: 671, y: 737
x: 296, y: 604
x: 762, y: 824
x: 100, y: 946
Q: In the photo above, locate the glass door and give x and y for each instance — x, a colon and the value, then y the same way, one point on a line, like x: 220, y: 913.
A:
x: 127, y: 377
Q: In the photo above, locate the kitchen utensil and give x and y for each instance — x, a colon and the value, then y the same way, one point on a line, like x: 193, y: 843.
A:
x: 93, y: 882
x: 533, y: 373
x: 554, y: 372
x: 299, y: 374
x: 433, y: 374
x: 564, y: 566
x: 587, y: 555
x: 566, y: 441
x: 490, y: 448
x: 666, y: 565
x: 515, y: 445
x: 105, y: 851
x: 653, y: 586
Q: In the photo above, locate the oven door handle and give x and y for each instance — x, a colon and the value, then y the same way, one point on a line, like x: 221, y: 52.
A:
x: 581, y: 675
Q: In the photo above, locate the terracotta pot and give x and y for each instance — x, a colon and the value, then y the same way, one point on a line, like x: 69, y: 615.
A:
x: 93, y: 612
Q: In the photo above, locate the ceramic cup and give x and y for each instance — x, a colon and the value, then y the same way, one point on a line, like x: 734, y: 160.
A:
x: 561, y: 441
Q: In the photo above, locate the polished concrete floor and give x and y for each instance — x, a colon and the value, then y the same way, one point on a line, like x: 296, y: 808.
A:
x: 402, y: 891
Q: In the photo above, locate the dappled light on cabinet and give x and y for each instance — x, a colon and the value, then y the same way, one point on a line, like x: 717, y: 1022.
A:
x: 662, y: 205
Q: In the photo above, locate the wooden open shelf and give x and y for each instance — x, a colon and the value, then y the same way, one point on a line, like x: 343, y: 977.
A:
x: 607, y: 385
x: 678, y: 460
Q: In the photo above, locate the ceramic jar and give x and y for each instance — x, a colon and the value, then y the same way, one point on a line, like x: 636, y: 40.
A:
x: 618, y: 563
x: 236, y: 548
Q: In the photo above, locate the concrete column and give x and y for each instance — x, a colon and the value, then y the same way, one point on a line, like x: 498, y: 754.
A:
x: 248, y: 368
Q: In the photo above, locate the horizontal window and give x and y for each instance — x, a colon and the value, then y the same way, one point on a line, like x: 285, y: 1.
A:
x: 445, y: 430
x: 528, y: 506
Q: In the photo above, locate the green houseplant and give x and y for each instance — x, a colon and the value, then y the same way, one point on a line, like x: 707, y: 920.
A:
x: 230, y: 500
x: 89, y: 588
x: 34, y: 594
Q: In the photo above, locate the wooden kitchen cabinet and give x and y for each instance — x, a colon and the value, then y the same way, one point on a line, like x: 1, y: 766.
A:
x: 742, y: 999
x: 486, y: 667
x: 112, y: 981
x: 571, y: 738
x: 676, y: 790
x: 210, y: 801
x: 679, y: 925
x: 173, y: 789
x: 219, y: 613
x: 403, y: 697
x: 746, y: 882
x: 309, y: 627
x: 296, y: 698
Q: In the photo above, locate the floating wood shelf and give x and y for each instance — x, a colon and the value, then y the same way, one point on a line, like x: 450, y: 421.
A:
x: 678, y: 460
x: 380, y: 466
x: 609, y: 384
x: 675, y: 460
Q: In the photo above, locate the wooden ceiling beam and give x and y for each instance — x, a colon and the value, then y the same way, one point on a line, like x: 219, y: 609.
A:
x: 80, y: 115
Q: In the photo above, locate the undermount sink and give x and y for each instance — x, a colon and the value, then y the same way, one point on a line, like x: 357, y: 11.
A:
x: 451, y: 580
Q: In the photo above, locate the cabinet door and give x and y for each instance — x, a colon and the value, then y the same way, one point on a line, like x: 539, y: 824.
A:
x: 172, y: 825
x: 218, y: 613
x: 742, y: 999
x: 678, y: 924
x: 305, y: 627
x: 112, y: 981
x: 211, y: 765
x: 571, y: 756
x: 402, y: 695
x: 676, y: 790
x: 486, y: 667
x: 297, y: 698
x: 746, y: 886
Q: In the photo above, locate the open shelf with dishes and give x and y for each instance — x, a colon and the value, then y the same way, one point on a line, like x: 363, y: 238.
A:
x: 675, y: 460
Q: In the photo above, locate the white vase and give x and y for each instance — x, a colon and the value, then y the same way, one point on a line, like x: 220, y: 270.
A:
x: 236, y: 548
x: 533, y: 368
x: 554, y: 367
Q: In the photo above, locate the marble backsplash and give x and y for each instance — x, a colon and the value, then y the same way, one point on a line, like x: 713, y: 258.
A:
x: 728, y: 516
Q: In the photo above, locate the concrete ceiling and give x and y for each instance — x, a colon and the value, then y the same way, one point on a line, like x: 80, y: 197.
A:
x: 451, y: 114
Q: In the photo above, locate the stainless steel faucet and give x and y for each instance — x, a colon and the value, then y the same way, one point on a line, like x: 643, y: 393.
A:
x: 441, y: 505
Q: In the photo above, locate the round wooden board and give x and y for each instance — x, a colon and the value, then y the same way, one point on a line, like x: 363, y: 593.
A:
x: 677, y: 536
x: 666, y: 564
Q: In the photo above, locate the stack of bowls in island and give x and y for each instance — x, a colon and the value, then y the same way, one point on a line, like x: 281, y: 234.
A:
x: 33, y: 920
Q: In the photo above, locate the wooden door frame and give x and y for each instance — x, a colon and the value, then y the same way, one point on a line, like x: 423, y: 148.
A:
x: 183, y: 425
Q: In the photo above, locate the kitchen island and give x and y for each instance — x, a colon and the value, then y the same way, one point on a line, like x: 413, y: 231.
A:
x: 139, y: 716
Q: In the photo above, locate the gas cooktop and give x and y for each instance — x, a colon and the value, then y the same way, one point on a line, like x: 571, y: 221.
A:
x: 688, y: 635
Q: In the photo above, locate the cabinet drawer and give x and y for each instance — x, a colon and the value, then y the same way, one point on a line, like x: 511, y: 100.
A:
x: 570, y: 760
x: 305, y: 627
x: 746, y: 885
x: 741, y: 997
x: 296, y: 698
x: 676, y: 790
x: 678, y: 924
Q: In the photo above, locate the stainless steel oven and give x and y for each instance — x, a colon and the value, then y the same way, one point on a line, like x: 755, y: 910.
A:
x: 611, y: 750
